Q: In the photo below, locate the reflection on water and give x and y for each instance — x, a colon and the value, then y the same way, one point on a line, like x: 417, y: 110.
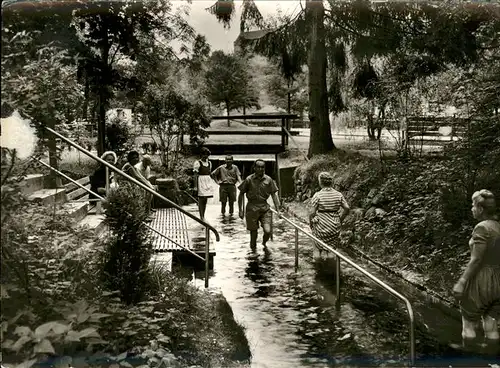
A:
x: 259, y: 270
x: 290, y: 318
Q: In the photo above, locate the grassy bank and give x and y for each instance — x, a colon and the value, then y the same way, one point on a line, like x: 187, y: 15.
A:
x: 411, y: 215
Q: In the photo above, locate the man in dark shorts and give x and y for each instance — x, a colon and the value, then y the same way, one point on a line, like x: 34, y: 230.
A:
x: 227, y: 176
x: 258, y: 188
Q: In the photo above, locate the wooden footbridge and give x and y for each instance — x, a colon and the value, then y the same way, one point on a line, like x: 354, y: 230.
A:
x: 246, y: 138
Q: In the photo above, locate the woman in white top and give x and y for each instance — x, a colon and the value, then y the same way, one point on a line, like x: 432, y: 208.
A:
x: 203, y: 183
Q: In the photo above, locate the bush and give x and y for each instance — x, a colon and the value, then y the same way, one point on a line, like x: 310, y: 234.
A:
x: 125, y: 263
x: 354, y: 175
x: 119, y: 137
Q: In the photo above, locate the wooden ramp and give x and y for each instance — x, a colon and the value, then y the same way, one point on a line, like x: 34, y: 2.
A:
x: 197, y: 233
x: 181, y: 231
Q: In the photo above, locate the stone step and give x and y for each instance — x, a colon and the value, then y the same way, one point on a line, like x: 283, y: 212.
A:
x: 74, y: 210
x: 31, y: 183
x: 95, y: 222
x: 48, y: 197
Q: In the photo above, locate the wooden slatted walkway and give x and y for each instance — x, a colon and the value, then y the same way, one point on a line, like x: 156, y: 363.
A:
x: 172, y: 223
x: 181, y: 229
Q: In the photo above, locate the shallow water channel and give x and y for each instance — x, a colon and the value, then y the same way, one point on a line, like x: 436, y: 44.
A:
x: 290, y: 317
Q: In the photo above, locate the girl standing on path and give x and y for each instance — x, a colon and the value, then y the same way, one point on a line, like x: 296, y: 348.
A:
x: 203, y: 183
x: 478, y: 289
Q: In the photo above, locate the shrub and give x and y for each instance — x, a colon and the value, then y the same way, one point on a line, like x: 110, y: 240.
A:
x: 119, y: 137
x: 125, y: 263
x: 56, y: 312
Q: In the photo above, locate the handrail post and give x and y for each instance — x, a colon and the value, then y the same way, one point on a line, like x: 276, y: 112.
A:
x: 337, y: 281
x: 207, y: 254
x: 296, y: 249
x: 272, y: 226
x: 412, y: 334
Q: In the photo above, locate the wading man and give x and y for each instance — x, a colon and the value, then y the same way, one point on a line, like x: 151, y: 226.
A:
x: 227, y: 176
x: 258, y: 187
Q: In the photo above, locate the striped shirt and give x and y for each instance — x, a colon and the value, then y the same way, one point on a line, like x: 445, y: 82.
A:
x: 328, y: 200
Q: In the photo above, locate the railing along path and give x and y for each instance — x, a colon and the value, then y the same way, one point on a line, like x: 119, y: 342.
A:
x: 340, y: 256
x: 207, y: 226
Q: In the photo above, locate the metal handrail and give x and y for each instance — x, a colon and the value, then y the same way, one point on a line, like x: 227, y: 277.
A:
x: 137, y: 182
x: 360, y: 269
x: 102, y: 198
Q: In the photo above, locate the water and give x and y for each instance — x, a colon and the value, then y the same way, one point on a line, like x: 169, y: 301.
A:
x: 290, y: 317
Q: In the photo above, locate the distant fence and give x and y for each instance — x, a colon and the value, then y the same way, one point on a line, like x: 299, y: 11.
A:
x: 274, y: 123
x: 436, y: 128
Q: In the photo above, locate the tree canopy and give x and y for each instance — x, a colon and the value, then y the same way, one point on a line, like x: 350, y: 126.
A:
x: 418, y: 39
x: 228, y: 82
x: 101, y: 34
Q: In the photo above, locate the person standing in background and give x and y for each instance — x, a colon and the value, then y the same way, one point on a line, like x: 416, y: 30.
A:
x: 202, y: 181
x: 144, y: 168
x: 227, y: 176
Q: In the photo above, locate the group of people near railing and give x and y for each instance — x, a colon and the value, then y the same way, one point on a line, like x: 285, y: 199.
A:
x: 102, y: 181
x: 478, y: 288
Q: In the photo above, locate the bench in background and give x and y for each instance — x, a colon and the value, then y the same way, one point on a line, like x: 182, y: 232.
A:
x: 435, y: 129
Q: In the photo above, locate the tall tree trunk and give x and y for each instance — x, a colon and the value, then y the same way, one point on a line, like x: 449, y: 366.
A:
x: 227, y: 109
x: 103, y: 94
x: 321, y: 135
x: 86, y: 100
x: 101, y: 122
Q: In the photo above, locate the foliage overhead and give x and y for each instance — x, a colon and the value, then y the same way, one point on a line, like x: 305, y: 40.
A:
x: 104, y: 35
x: 429, y: 36
x: 419, y: 39
x: 224, y: 11
x: 200, y: 54
x: 42, y: 86
x: 365, y: 82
